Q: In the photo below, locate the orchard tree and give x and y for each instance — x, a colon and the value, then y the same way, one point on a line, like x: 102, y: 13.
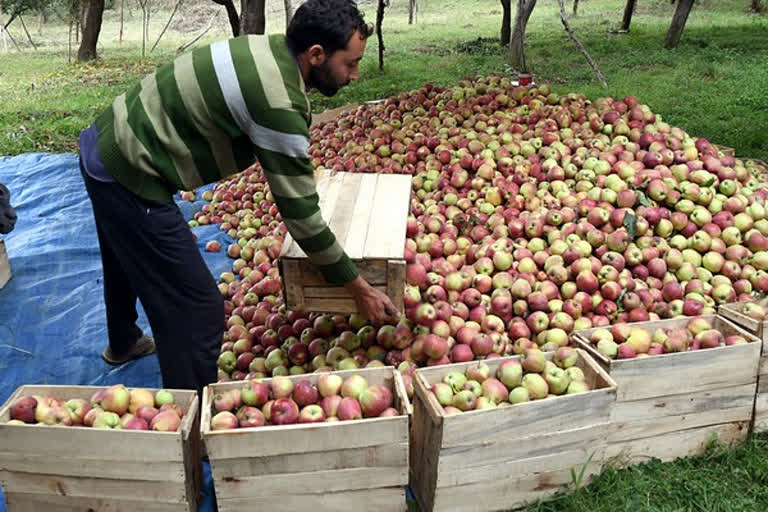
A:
x: 91, y: 30
x: 517, y: 44
x: 250, y: 20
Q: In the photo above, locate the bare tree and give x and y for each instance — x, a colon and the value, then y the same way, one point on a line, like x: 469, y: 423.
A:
x: 232, y: 15
x: 288, y: 12
x: 582, y: 49
x: 383, y: 4
x: 91, y: 30
x: 757, y: 6
x: 170, y: 19
x: 517, y: 44
x: 122, y: 12
x: 413, y: 8
x: 506, y: 21
x: 629, y: 10
x: 678, y: 23
x: 252, y: 16
x: 575, y: 7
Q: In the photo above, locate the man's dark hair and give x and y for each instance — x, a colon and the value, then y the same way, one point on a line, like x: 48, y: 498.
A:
x: 329, y: 23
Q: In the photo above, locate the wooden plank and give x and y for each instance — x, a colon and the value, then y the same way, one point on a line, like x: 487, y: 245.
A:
x: 354, y: 243
x: 425, y: 444
x: 763, y: 365
x: 341, y: 219
x: 389, y: 217
x: 20, y: 502
x: 278, y: 440
x: 673, y: 445
x: 331, y: 481
x: 500, y: 493
x: 5, y: 265
x: 342, y: 306
x: 686, y: 403
x: 373, y: 271
x: 403, y: 403
x: 292, y: 284
x: 102, y: 488
x: 331, y: 292
x: 654, y: 427
x: 537, y: 445
x: 761, y: 412
x: 102, y: 467
x: 388, y: 455
x: 390, y: 499
x: 696, y: 371
x: 328, y: 192
x: 733, y: 312
x: 450, y: 476
x: 396, y: 282
x: 192, y: 457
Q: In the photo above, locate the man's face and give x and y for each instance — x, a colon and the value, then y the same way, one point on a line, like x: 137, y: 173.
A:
x: 7, y: 213
x: 338, y: 70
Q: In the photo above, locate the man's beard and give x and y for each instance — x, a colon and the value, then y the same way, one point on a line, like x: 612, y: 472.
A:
x: 322, y: 79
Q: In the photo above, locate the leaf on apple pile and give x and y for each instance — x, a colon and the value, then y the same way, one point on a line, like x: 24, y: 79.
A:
x: 709, y: 182
x: 643, y: 199
x: 630, y: 222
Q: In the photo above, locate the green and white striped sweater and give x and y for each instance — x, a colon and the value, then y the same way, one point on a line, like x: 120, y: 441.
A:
x: 202, y: 117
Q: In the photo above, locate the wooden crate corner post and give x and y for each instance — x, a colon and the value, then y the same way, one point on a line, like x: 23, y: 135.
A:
x: 5, y: 265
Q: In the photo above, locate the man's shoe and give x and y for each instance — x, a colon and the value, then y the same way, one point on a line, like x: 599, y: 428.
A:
x: 144, y: 346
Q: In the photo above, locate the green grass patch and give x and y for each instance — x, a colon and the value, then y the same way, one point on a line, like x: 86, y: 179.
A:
x: 712, y: 85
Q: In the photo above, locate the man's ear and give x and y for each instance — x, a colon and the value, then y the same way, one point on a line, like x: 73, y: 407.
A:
x: 316, y: 54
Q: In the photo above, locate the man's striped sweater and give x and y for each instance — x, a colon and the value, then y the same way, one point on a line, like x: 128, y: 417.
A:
x: 202, y: 117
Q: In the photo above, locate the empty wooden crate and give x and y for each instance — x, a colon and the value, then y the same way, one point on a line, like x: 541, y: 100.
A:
x: 368, y: 214
x: 673, y: 405
x: 759, y: 328
x: 502, y: 458
x: 59, y: 469
x: 328, y: 466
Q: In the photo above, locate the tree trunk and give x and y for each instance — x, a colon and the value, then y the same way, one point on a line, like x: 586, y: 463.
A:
x: 168, y: 24
x: 575, y: 7
x: 413, y: 7
x: 517, y: 45
x: 629, y: 10
x: 2, y: 30
x: 506, y: 22
x: 252, y: 17
x: 91, y: 30
x: 757, y: 6
x: 678, y: 23
x: 122, y: 12
x: 379, y: 36
x: 288, y: 12
x: 234, y: 18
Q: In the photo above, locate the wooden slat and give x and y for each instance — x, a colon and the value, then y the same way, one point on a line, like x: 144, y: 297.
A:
x: 733, y: 312
x: 763, y: 364
x: 102, y: 488
x: 389, y: 218
x: 103, y: 467
x: 655, y: 427
x: 343, y: 306
x: 328, y: 192
x: 732, y: 397
x: 425, y: 444
x: 673, y: 445
x: 354, y: 243
x: 292, y: 284
x: 520, y: 448
x: 20, y: 502
x: 331, y: 481
x: 373, y: 271
x: 402, y: 401
x: 373, y: 500
x: 499, y: 493
x: 396, y: 282
x: 457, y: 475
x: 5, y: 266
x: 761, y: 412
x: 389, y: 455
x: 341, y: 220
x: 331, y: 292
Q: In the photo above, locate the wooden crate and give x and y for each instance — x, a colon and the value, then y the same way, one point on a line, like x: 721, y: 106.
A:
x: 673, y: 405
x: 5, y: 266
x: 59, y: 469
x: 368, y: 214
x: 320, y: 466
x: 500, y: 459
x: 733, y: 312
x: 725, y: 150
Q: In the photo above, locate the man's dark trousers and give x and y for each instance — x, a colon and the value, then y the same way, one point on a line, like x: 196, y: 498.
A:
x: 148, y: 252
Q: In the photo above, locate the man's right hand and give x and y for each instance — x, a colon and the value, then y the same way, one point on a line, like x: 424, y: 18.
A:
x: 372, y: 304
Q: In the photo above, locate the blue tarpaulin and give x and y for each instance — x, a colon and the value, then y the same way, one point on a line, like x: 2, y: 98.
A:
x: 52, y: 320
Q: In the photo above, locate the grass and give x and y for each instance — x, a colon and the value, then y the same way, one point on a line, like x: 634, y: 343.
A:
x: 712, y: 85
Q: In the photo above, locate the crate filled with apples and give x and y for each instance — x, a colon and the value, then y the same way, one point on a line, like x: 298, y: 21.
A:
x: 499, y: 433
x: 680, y: 381
x: 323, y: 441
x: 753, y: 318
x: 100, y: 448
